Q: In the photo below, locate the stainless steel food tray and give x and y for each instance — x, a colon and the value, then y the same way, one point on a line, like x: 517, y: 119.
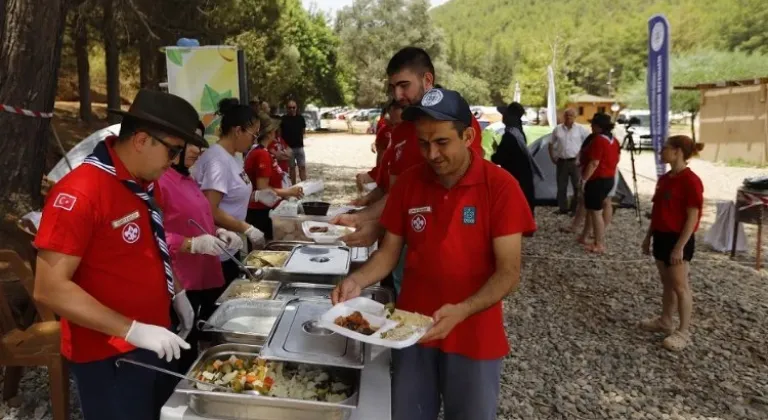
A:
x: 296, y: 337
x: 222, y: 405
x: 290, y: 291
x: 271, y: 286
x: 265, y: 313
x: 319, y: 260
x: 285, y: 245
x: 283, y: 277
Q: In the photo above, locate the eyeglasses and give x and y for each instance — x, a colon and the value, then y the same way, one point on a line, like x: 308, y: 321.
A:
x: 173, y: 151
x: 291, y: 107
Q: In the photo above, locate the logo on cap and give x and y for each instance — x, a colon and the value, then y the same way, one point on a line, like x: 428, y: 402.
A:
x: 432, y: 98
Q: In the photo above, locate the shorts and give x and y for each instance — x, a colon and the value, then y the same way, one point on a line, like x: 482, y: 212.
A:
x: 595, y: 191
x: 298, y: 158
x: 663, y: 242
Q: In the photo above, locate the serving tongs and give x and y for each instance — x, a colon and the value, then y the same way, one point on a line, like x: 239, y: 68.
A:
x: 174, y: 374
x: 229, y: 254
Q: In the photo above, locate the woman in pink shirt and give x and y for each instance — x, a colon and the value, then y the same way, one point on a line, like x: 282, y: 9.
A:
x: 194, y: 255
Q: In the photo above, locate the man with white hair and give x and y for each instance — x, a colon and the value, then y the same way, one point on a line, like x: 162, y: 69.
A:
x: 563, y: 150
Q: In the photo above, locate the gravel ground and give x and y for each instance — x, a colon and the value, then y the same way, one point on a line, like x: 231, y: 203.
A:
x: 576, y: 353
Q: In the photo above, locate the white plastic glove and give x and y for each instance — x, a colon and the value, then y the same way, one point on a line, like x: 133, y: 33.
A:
x: 157, y: 339
x: 255, y: 236
x: 185, y: 311
x: 231, y: 239
x: 267, y: 197
x: 208, y: 245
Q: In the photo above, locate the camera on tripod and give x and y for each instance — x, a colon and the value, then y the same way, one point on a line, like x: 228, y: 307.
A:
x: 629, y: 140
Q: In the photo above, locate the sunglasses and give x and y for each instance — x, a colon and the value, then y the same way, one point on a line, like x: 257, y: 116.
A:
x: 173, y: 151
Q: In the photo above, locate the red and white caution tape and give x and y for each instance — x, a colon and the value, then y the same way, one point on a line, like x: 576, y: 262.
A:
x: 26, y: 112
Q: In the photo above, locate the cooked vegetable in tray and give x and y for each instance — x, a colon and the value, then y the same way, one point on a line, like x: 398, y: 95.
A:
x: 274, y: 379
x: 250, y: 290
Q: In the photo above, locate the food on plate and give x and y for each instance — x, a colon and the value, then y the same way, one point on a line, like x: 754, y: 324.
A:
x: 274, y: 379
x: 355, y: 322
x: 409, y: 323
x: 318, y: 229
x: 267, y: 258
x: 250, y: 290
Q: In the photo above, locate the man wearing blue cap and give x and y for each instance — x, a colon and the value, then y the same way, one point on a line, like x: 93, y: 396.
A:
x: 461, y: 219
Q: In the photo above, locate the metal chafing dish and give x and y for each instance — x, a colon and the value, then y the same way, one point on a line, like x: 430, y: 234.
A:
x: 269, y: 288
x: 290, y: 291
x: 251, y: 406
x: 244, y: 321
x: 295, y: 337
x: 285, y: 245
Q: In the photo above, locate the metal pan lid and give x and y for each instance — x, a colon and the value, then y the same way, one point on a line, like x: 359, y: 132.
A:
x: 296, y: 337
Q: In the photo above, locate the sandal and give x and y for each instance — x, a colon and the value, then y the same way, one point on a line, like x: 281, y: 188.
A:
x: 677, y: 341
x: 655, y: 325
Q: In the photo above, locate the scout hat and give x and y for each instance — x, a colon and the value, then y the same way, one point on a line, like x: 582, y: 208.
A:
x: 165, y: 112
x: 442, y: 105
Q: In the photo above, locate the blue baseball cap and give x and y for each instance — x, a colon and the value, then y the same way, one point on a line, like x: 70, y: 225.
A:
x: 441, y: 105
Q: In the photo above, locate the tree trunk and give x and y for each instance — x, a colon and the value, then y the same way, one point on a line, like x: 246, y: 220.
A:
x: 146, y: 64
x: 29, y: 64
x: 112, y: 55
x: 693, y: 125
x: 83, y: 67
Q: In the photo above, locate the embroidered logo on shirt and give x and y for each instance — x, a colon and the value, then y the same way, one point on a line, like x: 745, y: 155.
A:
x: 417, y: 210
x: 65, y: 201
x: 432, y: 98
x: 131, y: 233
x: 418, y: 223
x: 125, y: 219
x: 469, y: 215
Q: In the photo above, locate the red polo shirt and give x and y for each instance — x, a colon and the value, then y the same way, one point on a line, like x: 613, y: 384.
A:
x: 607, y: 150
x: 406, y: 142
x: 383, y: 139
x: 675, y: 194
x: 449, y: 234
x: 259, y: 163
x: 279, y: 145
x: 382, y: 175
x: 91, y: 215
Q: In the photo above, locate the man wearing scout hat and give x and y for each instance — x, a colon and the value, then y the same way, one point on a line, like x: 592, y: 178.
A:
x: 103, y: 264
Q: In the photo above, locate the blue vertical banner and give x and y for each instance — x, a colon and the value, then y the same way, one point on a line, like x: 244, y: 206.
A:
x: 658, y: 85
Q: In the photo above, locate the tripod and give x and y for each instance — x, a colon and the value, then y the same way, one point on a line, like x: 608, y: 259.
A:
x: 629, y: 141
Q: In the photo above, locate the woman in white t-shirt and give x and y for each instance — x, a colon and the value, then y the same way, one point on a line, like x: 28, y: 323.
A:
x: 223, y: 180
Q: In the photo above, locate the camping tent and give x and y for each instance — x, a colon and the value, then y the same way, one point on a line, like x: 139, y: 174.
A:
x: 77, y: 154
x: 546, y: 187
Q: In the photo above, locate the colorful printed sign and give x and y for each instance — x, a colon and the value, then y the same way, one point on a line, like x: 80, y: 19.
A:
x: 204, y: 76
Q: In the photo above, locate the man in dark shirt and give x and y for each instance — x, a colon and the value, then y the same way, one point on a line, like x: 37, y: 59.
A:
x: 292, y: 128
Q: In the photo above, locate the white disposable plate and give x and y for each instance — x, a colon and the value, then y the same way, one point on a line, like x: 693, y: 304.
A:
x: 333, y: 235
x: 375, y: 314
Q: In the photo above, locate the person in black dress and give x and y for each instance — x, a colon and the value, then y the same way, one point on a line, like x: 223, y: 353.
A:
x: 512, y: 153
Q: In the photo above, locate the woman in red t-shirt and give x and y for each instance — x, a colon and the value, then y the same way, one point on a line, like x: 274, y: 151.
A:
x: 675, y: 217
x: 600, y: 159
x: 267, y: 178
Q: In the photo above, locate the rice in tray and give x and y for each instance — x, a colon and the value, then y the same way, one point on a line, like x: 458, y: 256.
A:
x: 251, y: 291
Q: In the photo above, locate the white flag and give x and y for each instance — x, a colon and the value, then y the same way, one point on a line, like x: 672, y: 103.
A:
x: 551, y: 99
x: 517, y: 92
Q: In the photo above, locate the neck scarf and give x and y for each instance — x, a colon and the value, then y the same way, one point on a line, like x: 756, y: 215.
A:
x: 101, y: 159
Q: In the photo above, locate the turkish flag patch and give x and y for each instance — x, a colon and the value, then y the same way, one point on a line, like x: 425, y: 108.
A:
x: 65, y: 201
